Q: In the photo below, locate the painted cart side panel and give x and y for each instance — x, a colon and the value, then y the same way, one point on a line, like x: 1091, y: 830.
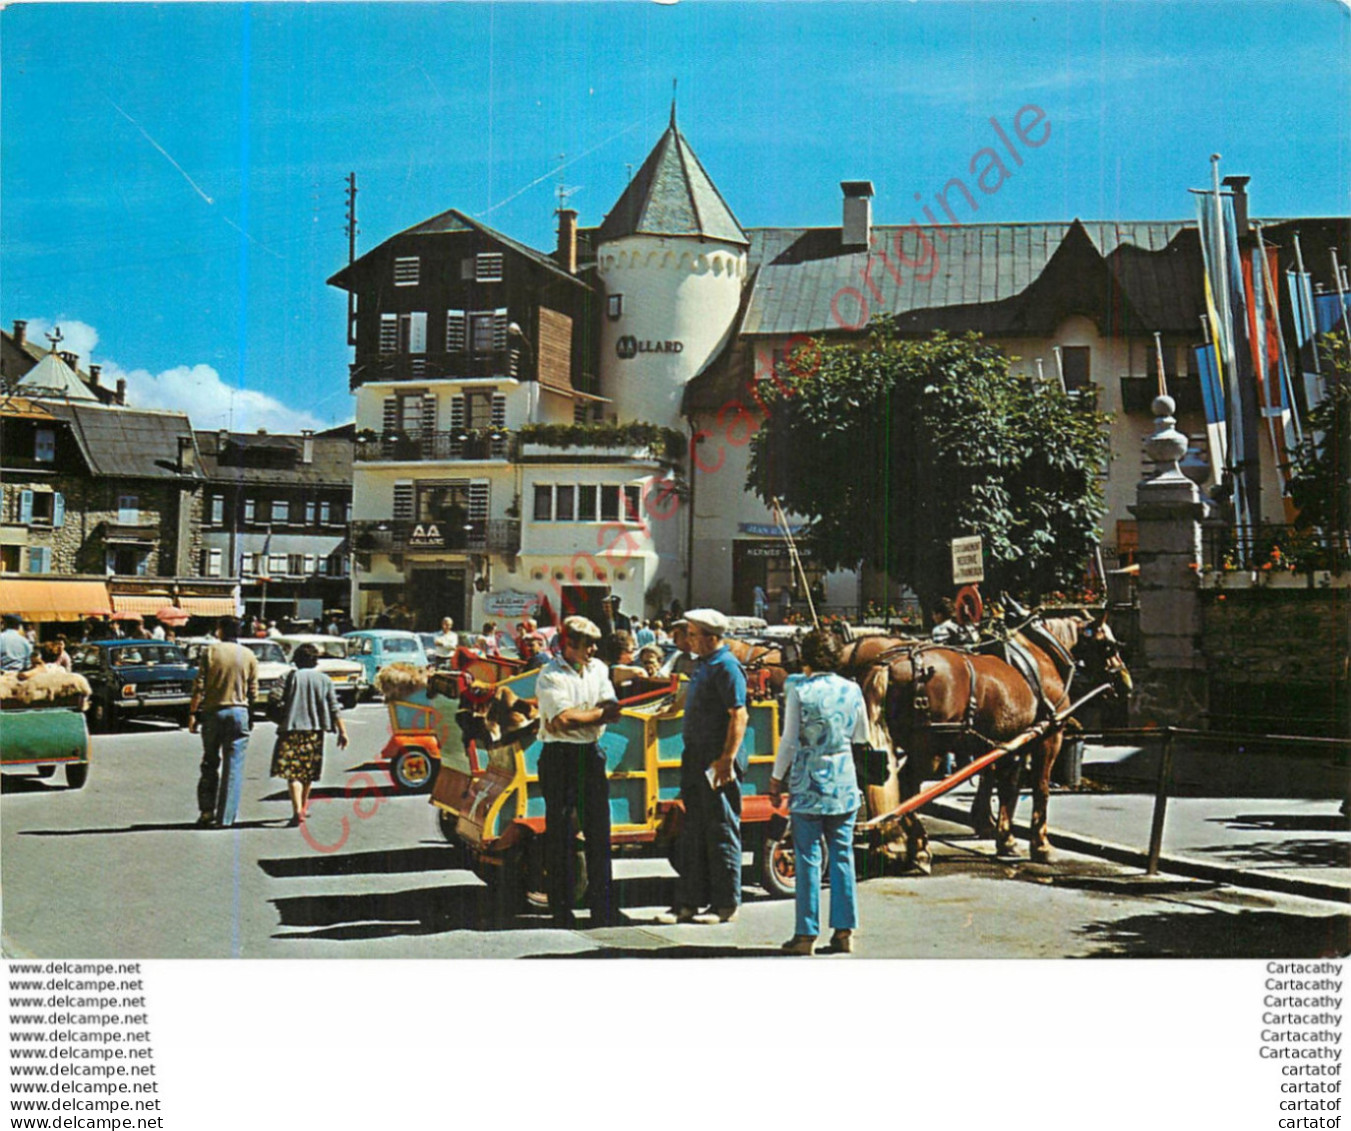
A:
x: 43, y: 736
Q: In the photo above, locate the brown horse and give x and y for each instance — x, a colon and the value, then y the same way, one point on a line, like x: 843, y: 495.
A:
x: 775, y: 660
x: 925, y: 700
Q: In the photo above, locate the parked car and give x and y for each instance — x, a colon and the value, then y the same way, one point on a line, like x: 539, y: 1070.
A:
x: 272, y: 667
x: 273, y: 663
x: 135, y: 677
x: 375, y: 648
x: 348, y: 676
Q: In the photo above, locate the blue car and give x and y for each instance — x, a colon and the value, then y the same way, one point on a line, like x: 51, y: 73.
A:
x: 375, y: 648
x: 135, y: 677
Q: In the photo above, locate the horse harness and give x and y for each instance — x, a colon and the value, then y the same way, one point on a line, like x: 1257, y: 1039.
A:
x: 1011, y: 652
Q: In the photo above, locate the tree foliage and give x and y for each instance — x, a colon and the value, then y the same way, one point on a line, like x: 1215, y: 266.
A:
x: 1321, y: 484
x: 894, y: 447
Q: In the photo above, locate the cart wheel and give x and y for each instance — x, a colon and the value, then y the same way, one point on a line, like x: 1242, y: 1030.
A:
x: 446, y: 822
x: 778, y: 869
x: 46, y: 771
x: 412, y: 769
x: 77, y: 773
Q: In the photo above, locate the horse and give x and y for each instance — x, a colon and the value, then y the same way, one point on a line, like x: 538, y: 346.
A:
x: 924, y: 700
x: 775, y: 660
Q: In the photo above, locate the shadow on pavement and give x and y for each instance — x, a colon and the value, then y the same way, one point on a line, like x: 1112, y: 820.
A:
x: 1221, y: 934
x: 439, y: 910
x: 1286, y: 822
x: 30, y: 783
x: 1307, y: 853
x: 706, y: 951
x: 431, y: 858
x: 177, y: 826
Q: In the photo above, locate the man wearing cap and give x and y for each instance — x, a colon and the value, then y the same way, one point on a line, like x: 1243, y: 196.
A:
x: 16, y: 652
x: 576, y: 700
x: 710, y: 777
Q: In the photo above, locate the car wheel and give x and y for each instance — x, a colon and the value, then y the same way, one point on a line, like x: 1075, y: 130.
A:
x: 77, y: 773
x: 412, y: 769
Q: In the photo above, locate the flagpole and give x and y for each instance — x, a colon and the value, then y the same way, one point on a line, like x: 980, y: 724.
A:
x: 1341, y: 298
x: 1158, y: 354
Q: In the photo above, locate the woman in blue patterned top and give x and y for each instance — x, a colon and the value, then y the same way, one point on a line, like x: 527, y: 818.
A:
x: 823, y: 718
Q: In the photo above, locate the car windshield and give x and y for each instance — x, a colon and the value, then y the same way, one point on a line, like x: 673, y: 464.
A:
x: 146, y: 654
x: 400, y: 644
x: 332, y: 649
x: 268, y: 651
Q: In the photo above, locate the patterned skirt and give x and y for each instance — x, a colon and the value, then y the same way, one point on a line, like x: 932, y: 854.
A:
x: 299, y: 756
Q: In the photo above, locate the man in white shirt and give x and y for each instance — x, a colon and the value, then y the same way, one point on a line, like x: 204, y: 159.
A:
x: 576, y: 700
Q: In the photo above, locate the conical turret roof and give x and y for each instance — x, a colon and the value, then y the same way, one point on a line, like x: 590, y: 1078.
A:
x: 672, y: 195
x: 53, y: 377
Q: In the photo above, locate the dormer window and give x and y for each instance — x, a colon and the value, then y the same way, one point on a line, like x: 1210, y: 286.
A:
x: 614, y: 307
x: 406, y: 271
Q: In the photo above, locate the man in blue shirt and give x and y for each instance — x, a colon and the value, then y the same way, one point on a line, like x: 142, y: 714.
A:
x: 710, y: 777
x: 16, y: 653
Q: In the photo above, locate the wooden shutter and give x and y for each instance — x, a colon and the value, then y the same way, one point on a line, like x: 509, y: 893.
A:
x: 500, y: 329
x: 391, y: 415
x: 457, y: 412
x: 403, y: 500
x: 455, y: 331
x: 26, y: 507
x: 58, y: 509
x: 428, y: 414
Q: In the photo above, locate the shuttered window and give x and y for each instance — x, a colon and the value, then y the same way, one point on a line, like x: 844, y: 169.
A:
x: 403, y: 500
x: 389, y: 333
x: 39, y: 559
x: 478, y: 504
x: 407, y: 270
x: 390, y: 416
x: 428, y: 414
x: 454, y: 331
x: 413, y: 332
x: 488, y: 267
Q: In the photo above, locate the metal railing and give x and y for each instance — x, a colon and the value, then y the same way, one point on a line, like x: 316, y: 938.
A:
x: 1269, y: 546
x: 418, y: 445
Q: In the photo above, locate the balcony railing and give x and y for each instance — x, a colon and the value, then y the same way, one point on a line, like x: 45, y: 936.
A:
x: 1138, y: 393
x: 459, y: 444
x: 493, y: 536
x: 430, y: 366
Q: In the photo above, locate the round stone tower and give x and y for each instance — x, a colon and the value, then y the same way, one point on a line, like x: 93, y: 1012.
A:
x: 673, y: 261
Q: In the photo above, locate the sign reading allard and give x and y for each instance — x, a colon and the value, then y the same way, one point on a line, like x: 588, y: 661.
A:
x: 628, y: 347
x: 426, y: 535
x: 967, y: 561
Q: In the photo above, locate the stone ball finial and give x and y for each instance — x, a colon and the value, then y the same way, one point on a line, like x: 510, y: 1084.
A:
x: 1167, y: 445
x: 1164, y: 405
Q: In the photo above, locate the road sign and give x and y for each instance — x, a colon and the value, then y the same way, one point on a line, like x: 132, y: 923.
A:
x: 967, y: 561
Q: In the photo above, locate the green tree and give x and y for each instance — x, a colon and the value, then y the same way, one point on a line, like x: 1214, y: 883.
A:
x: 1321, y: 484
x: 895, y: 446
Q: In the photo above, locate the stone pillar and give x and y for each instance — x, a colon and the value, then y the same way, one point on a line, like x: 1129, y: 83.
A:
x: 1170, y: 676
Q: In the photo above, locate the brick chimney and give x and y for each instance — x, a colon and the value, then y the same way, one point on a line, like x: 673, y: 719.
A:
x: 187, y: 454
x: 1239, y: 187
x: 20, y: 331
x: 121, y: 396
x: 856, y: 230
x: 567, y: 240
x: 95, y: 372
x: 307, y: 445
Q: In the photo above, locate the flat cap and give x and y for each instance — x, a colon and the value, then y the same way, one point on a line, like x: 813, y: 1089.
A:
x: 580, y: 626
x: 708, y: 619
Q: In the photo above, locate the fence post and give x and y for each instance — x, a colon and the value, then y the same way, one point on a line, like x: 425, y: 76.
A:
x: 1160, y: 802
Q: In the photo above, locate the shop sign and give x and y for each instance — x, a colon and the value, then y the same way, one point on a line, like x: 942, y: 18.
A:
x: 426, y: 536
x: 510, y: 603
x: 628, y: 347
x: 770, y: 530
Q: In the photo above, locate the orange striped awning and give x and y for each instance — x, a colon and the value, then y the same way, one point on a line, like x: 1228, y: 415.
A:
x: 47, y: 600
x: 142, y: 604
x: 208, y: 606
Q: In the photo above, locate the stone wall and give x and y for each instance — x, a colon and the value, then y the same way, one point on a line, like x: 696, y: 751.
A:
x: 1277, y: 659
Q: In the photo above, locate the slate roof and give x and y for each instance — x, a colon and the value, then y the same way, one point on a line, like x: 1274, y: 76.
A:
x: 332, y: 464
x: 1009, y: 280
x: 451, y: 221
x: 671, y: 195
x: 128, y: 443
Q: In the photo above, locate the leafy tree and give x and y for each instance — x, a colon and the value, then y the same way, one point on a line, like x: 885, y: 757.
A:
x: 895, y: 446
x: 1321, y: 485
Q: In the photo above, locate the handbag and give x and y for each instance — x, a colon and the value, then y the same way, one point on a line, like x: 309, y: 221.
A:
x: 277, y: 697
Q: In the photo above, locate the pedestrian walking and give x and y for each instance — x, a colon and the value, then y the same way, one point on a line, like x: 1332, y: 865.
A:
x: 226, y: 685
x: 759, y: 602
x: 711, y: 769
x: 824, y: 719
x: 307, y: 710
x: 576, y: 700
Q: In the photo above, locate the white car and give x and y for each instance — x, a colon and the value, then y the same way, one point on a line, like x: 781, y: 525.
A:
x: 272, y: 666
x: 348, y: 676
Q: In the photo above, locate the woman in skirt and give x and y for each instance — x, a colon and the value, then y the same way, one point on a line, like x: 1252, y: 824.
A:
x: 308, y: 711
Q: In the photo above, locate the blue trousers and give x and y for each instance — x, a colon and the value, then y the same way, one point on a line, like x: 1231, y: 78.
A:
x: 225, y: 736
x: 838, y: 830
x: 710, y: 845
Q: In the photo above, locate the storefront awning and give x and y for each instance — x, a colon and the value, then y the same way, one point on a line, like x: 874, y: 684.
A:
x: 45, y: 600
x: 208, y: 606
x: 145, y: 604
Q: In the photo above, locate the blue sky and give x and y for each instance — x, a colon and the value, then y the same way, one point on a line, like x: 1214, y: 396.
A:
x: 171, y: 177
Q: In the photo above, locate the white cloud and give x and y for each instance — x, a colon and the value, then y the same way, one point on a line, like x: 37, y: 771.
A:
x: 193, y: 389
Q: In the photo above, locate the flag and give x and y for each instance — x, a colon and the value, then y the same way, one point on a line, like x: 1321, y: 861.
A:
x: 264, y: 570
x: 1212, y: 398
x: 1328, y: 312
x: 1302, y: 310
